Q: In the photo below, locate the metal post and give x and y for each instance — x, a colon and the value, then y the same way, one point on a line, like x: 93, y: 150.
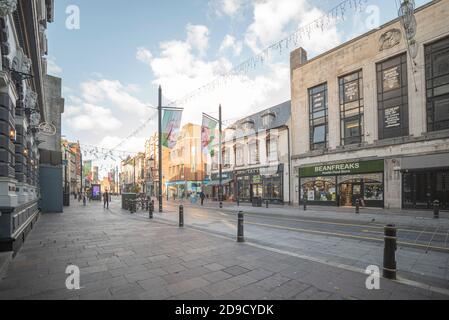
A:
x: 240, y: 232
x: 436, y: 209
x: 357, y: 206
x: 220, y: 157
x: 266, y: 202
x: 160, y: 147
x: 389, y: 269
x: 305, y: 201
x: 151, y: 209
x: 181, y: 216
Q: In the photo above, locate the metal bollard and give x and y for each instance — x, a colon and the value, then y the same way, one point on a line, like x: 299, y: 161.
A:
x: 436, y: 209
x: 305, y: 205
x: 266, y: 202
x: 357, y: 206
x: 238, y: 202
x: 240, y: 232
x: 151, y: 210
x: 389, y: 269
x: 181, y: 216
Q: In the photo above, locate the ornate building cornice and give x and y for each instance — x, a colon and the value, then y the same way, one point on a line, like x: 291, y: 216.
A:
x: 7, y: 7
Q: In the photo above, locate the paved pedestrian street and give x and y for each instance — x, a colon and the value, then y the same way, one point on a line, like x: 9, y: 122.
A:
x: 122, y: 256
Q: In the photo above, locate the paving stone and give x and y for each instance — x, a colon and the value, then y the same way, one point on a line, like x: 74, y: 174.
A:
x: 236, y: 270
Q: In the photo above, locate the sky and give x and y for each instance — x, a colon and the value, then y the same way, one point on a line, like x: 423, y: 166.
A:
x: 113, y: 61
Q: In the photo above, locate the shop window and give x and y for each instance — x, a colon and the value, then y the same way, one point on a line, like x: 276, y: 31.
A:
x: 351, y: 108
x: 392, y: 97
x: 318, y: 117
x: 437, y: 85
x: 318, y: 189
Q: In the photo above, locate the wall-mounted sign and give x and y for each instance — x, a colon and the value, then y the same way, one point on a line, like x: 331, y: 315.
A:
x: 355, y: 167
x: 351, y: 91
x: 47, y: 129
x: 391, y: 78
x: 318, y: 101
x: 393, y: 117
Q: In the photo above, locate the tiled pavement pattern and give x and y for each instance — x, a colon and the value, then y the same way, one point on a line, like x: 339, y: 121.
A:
x: 125, y: 258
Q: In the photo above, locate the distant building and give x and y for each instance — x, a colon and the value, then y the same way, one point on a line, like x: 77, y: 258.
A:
x: 186, y: 170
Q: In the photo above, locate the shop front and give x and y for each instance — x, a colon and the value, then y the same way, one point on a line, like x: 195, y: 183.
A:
x: 227, y: 181
x: 424, y: 180
x: 341, y: 184
x: 265, y: 183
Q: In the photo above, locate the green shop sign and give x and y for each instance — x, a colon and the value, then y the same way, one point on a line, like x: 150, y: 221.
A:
x: 335, y: 169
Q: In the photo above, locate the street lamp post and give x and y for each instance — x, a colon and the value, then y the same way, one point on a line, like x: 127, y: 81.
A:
x: 160, y: 147
x: 220, y: 158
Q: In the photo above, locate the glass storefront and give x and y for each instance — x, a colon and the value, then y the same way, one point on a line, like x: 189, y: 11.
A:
x: 342, y: 184
x: 421, y: 188
x: 256, y: 184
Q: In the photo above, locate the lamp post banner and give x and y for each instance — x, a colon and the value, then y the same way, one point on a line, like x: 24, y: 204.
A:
x: 171, y: 123
x: 208, y: 134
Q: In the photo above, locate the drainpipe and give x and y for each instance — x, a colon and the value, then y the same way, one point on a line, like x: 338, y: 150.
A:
x: 289, y: 169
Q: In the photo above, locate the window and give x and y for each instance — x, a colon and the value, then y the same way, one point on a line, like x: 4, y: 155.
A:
x: 226, y: 157
x: 351, y: 108
x: 272, y: 148
x: 392, y: 97
x: 437, y: 85
x: 253, y: 149
x: 318, y: 117
x: 268, y: 119
x: 239, y: 161
x: 318, y: 189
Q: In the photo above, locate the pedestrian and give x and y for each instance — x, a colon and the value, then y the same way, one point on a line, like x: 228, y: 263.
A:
x: 84, y: 199
x: 106, y: 200
x: 203, y: 196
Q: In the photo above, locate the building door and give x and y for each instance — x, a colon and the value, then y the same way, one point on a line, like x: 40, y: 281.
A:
x: 346, y: 195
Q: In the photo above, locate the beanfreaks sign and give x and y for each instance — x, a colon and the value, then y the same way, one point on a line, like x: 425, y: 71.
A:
x: 354, y: 167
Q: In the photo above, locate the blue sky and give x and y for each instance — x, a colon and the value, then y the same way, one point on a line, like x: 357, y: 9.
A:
x: 112, y: 65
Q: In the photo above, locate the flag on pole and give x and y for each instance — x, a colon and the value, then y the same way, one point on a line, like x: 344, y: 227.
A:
x: 171, y: 122
x: 208, y: 134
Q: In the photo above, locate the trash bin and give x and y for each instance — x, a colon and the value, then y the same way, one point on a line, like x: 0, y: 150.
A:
x: 257, y: 202
x: 125, y: 198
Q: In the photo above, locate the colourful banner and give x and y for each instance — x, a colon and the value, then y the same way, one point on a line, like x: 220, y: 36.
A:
x: 208, y: 134
x: 171, y: 123
x: 87, y: 170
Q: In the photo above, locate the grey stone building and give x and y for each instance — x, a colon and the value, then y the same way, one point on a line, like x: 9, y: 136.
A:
x: 23, y: 47
x: 256, y: 158
x: 371, y: 117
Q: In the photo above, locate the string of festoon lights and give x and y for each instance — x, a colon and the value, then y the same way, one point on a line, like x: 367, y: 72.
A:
x: 287, y: 44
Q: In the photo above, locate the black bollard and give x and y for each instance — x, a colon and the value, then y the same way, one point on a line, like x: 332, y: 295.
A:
x: 238, y: 202
x: 240, y: 232
x: 436, y: 209
x: 181, y: 216
x: 266, y: 203
x: 357, y: 206
x: 151, y: 210
x: 305, y: 204
x: 389, y: 270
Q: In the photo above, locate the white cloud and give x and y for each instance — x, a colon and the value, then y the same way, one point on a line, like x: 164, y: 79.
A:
x: 89, y: 117
x: 272, y: 18
x: 230, y: 7
x: 144, y: 55
x: 114, y: 92
x: 52, y: 67
x: 198, y: 37
x: 229, y: 42
x: 180, y: 70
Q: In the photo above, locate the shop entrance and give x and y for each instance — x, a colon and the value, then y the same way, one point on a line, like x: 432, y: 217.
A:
x: 349, y: 193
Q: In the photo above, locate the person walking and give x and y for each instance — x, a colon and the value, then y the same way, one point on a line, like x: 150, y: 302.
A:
x: 84, y: 199
x: 203, y: 196
x: 106, y: 200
